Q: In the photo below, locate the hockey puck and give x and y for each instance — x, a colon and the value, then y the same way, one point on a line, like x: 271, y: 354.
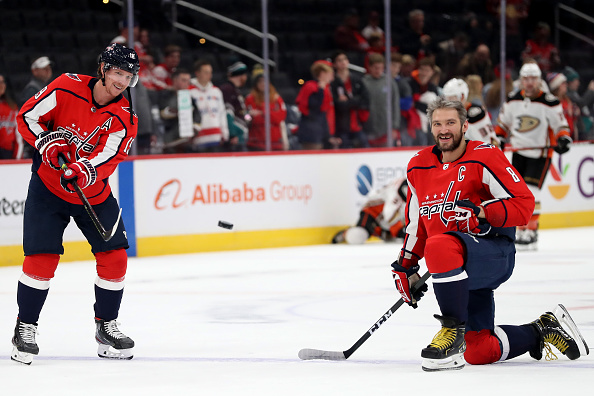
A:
x: 225, y: 224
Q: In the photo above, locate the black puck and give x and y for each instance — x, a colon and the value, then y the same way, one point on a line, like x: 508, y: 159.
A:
x: 225, y: 224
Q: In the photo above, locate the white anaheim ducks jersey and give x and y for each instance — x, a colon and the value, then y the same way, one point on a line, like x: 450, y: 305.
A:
x: 532, y: 122
x: 479, y: 125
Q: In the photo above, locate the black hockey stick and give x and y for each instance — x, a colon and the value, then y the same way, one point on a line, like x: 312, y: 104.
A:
x: 310, y: 354
x: 105, y: 234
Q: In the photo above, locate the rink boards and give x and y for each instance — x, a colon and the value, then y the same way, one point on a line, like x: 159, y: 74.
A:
x: 172, y: 204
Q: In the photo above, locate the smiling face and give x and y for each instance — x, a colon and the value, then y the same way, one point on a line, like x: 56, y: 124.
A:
x: 447, y: 131
x: 116, y: 81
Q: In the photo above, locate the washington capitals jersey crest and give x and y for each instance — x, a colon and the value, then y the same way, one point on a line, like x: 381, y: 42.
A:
x: 101, y: 134
x: 482, y: 175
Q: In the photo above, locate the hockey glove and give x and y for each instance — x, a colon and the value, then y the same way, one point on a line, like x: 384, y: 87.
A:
x: 467, y: 220
x: 405, y: 280
x: 50, y: 146
x: 563, y: 143
x: 79, y: 172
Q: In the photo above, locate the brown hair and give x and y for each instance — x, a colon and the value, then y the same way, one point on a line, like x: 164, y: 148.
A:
x: 375, y: 58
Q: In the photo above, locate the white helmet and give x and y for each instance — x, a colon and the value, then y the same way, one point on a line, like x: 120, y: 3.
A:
x: 456, y: 87
x: 530, y: 70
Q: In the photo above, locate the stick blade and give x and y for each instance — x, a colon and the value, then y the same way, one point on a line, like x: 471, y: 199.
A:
x: 110, y: 233
x: 312, y: 354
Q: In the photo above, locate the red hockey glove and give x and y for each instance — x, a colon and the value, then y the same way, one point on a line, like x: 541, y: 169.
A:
x: 50, y: 146
x: 77, y: 172
x: 467, y: 220
x: 405, y: 278
x: 563, y: 143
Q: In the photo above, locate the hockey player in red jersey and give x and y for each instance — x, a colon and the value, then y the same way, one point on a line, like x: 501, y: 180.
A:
x: 533, y: 122
x: 382, y: 216
x: 464, y: 200
x: 88, y: 122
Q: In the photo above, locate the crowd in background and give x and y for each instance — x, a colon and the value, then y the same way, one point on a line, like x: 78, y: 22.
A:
x: 338, y: 107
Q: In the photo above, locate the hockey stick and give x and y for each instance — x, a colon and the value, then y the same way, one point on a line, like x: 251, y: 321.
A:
x: 581, y: 143
x: 105, y: 234
x: 310, y: 354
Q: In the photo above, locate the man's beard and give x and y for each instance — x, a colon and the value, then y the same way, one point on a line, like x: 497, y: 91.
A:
x: 456, y: 141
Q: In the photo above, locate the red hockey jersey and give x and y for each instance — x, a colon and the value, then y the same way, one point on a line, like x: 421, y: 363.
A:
x: 482, y: 175
x: 101, y: 134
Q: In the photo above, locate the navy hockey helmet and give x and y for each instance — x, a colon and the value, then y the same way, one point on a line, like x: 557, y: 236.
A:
x: 121, y: 57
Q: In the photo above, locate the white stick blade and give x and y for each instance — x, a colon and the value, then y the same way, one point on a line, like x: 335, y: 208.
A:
x: 311, y: 354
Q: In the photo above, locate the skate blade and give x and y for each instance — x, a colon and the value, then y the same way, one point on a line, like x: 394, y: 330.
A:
x: 530, y: 247
x: 451, y: 363
x: 569, y: 325
x: 107, y: 352
x: 21, y: 357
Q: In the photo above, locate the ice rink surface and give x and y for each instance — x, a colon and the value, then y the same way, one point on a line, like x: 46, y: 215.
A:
x: 232, y: 323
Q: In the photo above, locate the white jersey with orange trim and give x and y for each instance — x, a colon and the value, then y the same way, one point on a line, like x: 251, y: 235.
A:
x: 214, y: 127
x: 391, y: 203
x: 479, y: 124
x: 535, y: 122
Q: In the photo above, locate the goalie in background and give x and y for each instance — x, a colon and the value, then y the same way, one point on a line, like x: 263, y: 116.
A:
x: 382, y: 216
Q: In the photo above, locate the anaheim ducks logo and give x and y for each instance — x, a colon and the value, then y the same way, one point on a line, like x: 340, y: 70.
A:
x: 527, y: 123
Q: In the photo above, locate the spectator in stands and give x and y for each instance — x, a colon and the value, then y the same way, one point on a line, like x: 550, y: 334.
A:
x: 492, y: 93
x: 347, y: 36
x: 213, y: 130
x: 403, y: 89
x: 168, y: 109
x: 450, y: 55
x: 163, y: 71
x: 423, y: 93
x: 558, y: 85
x: 235, y: 104
x: 41, y: 69
x: 351, y: 103
x: 255, y: 105
x: 475, y: 90
x: 516, y: 12
x: 415, y: 41
x: 376, y: 82
x: 11, y: 142
x: 372, y: 28
x: 316, y: 126
x: 541, y: 49
x: 408, y: 65
x: 478, y: 62
x: 584, y: 102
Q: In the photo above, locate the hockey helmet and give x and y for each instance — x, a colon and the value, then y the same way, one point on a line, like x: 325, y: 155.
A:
x: 530, y: 70
x: 457, y: 88
x: 121, y: 57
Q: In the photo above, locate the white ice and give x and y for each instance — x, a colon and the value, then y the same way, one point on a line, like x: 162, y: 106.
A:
x: 232, y: 323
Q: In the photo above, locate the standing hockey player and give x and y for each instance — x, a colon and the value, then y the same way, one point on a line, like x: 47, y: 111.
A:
x: 464, y: 198
x: 382, y: 216
x: 479, y: 123
x: 88, y: 121
x: 533, y: 121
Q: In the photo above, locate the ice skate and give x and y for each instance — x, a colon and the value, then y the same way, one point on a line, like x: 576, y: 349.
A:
x: 526, y: 239
x: 113, y: 344
x: 558, y: 329
x: 24, y: 343
x: 339, y: 237
x: 446, y: 351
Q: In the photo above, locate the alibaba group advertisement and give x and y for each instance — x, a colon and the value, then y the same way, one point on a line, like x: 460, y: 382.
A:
x: 297, y: 198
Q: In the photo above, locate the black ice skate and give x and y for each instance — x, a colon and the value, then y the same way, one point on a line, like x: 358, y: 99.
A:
x: 557, y: 328
x: 446, y: 351
x: 113, y: 344
x: 526, y: 239
x: 24, y: 342
x: 339, y: 237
